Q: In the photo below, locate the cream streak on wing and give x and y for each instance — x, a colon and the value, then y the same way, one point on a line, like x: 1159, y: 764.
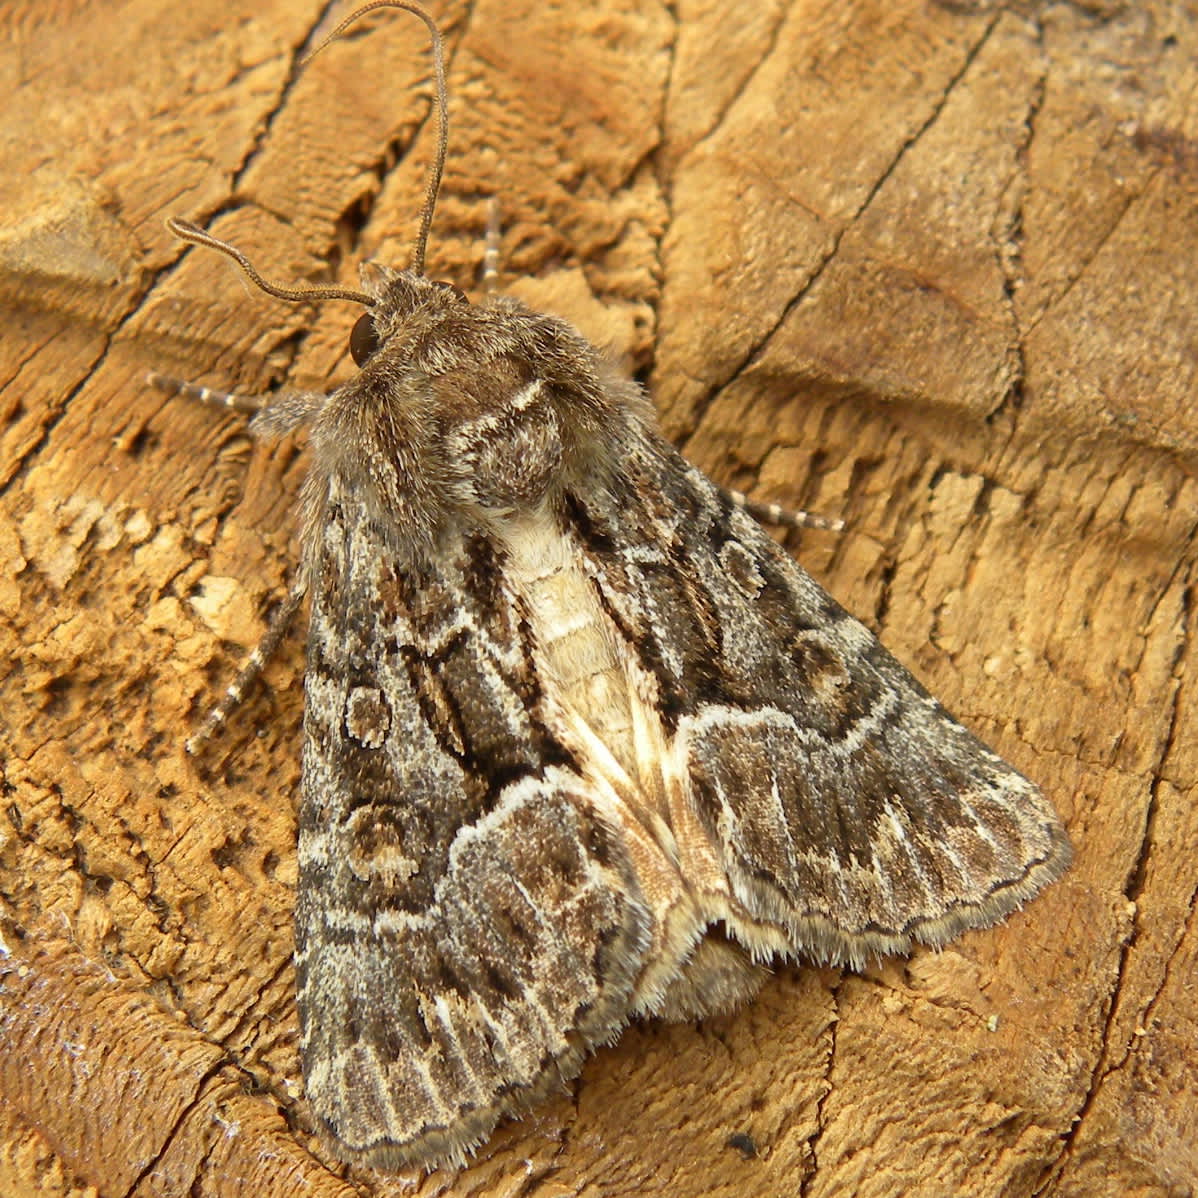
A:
x: 572, y: 630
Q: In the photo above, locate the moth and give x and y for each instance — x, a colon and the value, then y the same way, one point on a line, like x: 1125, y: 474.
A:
x: 582, y: 743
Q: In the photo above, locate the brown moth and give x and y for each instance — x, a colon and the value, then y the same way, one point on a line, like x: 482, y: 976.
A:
x: 581, y: 742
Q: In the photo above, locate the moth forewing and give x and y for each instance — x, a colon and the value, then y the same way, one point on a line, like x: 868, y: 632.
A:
x: 581, y: 742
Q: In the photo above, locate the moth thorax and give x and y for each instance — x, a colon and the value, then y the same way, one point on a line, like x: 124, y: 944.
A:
x: 509, y: 458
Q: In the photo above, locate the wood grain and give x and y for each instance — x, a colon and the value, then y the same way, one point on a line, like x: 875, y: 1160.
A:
x: 932, y: 267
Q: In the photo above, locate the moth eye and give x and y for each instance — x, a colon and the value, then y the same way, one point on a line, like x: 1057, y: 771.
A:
x: 363, y: 339
x: 457, y: 291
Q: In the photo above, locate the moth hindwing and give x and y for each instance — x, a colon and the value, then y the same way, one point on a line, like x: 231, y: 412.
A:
x: 581, y: 742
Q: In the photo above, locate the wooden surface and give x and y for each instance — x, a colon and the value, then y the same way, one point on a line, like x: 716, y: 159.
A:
x: 932, y: 267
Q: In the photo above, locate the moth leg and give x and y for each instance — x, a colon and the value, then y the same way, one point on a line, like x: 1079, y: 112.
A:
x: 216, y: 399
x: 772, y: 513
x: 273, y: 415
x: 490, y: 272
x: 252, y: 667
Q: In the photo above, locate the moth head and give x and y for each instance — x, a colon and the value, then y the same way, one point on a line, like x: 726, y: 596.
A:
x: 396, y: 294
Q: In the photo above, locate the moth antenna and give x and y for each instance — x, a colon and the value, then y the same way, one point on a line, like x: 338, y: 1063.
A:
x: 186, y: 231
x: 434, y: 180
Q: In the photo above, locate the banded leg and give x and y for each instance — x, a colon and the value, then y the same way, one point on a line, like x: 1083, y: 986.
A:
x: 272, y: 415
x: 772, y: 513
x: 491, y: 248
x: 249, y: 404
x: 251, y: 668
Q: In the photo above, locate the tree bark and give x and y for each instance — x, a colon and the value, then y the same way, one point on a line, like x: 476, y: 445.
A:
x: 929, y: 267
